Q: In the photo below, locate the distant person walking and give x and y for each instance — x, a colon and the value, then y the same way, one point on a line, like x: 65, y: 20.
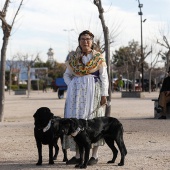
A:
x: 120, y: 83
x: 45, y: 87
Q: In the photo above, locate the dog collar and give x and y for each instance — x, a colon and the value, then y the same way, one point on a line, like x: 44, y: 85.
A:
x: 76, y: 132
x: 47, y: 127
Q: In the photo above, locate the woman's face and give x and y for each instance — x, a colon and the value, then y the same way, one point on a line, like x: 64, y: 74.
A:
x: 86, y: 43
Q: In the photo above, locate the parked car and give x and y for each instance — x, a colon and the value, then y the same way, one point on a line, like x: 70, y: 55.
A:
x: 5, y: 88
x: 138, y: 85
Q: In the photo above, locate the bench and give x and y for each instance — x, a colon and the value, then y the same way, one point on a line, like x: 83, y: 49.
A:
x: 156, y: 115
x: 132, y: 94
x: 20, y: 92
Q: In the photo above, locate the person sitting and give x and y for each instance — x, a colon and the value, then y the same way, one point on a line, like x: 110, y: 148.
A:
x: 164, y: 97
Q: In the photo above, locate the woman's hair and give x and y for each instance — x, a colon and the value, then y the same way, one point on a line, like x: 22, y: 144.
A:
x: 85, y: 32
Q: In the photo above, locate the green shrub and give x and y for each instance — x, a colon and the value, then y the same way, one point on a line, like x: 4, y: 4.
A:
x: 35, y: 84
x: 14, y: 87
x: 23, y: 86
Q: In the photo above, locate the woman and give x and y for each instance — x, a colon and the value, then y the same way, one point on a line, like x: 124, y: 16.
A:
x: 87, y: 81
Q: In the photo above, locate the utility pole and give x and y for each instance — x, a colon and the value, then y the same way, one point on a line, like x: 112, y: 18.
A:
x: 142, y: 57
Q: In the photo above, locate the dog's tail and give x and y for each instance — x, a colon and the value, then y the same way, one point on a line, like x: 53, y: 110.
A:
x: 123, y: 144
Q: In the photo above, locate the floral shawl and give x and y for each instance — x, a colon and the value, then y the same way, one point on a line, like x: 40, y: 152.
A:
x: 78, y: 68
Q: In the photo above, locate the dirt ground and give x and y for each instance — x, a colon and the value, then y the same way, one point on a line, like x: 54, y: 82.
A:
x: 147, y: 139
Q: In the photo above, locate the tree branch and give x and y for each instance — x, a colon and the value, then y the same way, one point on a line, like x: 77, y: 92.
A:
x: 162, y: 44
x: 4, y: 11
x: 17, y: 13
x: 166, y: 41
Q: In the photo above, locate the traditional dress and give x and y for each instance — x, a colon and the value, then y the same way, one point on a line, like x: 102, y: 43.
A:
x: 87, y: 80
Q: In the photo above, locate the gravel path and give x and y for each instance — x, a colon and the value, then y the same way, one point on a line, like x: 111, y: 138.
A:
x: 147, y: 139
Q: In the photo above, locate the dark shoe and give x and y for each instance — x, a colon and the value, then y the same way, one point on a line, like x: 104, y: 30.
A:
x: 162, y: 117
x: 92, y: 161
x: 73, y: 160
x: 158, y: 109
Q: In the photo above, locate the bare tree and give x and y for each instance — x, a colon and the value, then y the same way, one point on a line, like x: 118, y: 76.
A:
x: 107, y: 50
x: 6, y: 28
x: 128, y: 59
x: 12, y: 65
x: 165, y: 44
x: 28, y: 62
x: 152, y: 66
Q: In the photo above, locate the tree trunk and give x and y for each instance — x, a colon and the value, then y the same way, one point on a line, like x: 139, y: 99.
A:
x: 10, y: 78
x: 168, y: 60
x: 29, y: 82
x: 2, y: 76
x: 107, y: 52
x: 127, y: 85
x: 6, y: 28
x: 134, y: 78
x: 150, y: 77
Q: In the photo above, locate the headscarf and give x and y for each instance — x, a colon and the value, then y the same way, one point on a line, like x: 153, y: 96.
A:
x: 78, y: 68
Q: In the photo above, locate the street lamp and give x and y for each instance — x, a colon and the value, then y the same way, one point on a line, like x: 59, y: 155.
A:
x: 142, y: 57
x: 68, y: 37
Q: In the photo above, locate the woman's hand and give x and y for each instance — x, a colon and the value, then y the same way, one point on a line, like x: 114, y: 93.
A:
x: 103, y: 100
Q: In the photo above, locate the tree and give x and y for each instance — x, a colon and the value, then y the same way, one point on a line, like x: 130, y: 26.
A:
x: 6, y: 28
x: 55, y: 69
x: 152, y: 66
x: 107, y: 50
x: 28, y: 61
x: 12, y: 65
x: 120, y: 60
x: 166, y: 55
x: 128, y: 59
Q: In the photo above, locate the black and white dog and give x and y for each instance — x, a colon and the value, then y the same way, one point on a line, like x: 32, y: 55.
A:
x: 86, y: 132
x: 45, y: 134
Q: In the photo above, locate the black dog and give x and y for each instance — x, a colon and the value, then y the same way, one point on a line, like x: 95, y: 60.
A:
x: 44, y: 134
x: 86, y: 132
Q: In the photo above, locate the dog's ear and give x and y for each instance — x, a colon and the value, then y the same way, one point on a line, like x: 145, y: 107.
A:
x: 44, y: 110
x: 52, y: 115
x: 74, y: 124
x: 35, y: 114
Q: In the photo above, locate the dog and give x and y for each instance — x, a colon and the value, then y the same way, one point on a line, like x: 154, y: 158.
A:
x: 86, y: 132
x: 44, y: 134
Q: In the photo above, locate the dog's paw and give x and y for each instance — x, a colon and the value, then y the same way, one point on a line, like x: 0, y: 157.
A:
x: 120, y: 164
x: 55, y: 158
x: 39, y: 163
x: 65, y: 159
x: 78, y: 165
x: 110, y: 162
x: 83, y: 166
x: 51, y: 162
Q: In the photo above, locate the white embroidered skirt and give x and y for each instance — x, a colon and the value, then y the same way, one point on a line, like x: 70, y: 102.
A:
x: 83, y: 97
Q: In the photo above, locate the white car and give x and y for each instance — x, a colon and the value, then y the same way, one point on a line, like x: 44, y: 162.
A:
x: 6, y: 88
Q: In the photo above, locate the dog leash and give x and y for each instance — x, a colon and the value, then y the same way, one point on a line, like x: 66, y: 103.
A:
x: 79, y: 129
x: 96, y: 110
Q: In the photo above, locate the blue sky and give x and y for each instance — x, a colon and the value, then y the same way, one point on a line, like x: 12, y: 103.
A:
x: 40, y: 25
